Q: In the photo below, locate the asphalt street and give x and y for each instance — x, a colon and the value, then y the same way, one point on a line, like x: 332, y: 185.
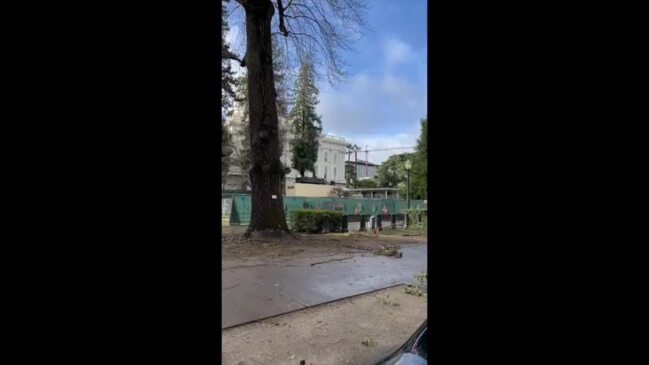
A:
x: 253, y: 293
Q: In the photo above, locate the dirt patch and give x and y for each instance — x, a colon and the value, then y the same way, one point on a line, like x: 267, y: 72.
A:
x: 236, y: 251
x: 361, y: 329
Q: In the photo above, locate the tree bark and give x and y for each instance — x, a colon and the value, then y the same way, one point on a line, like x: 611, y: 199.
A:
x: 267, y: 210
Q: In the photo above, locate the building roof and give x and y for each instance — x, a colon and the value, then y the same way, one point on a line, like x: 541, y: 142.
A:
x: 361, y: 162
x: 371, y: 189
x: 332, y: 138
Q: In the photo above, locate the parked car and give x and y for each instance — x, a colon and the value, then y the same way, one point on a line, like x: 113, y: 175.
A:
x: 413, y: 352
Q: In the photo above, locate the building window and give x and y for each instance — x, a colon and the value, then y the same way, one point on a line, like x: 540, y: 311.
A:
x: 335, y: 154
x: 325, y: 157
x: 334, y: 169
x: 325, y: 172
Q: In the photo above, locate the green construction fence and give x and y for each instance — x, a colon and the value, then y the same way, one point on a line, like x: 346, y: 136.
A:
x: 240, y: 206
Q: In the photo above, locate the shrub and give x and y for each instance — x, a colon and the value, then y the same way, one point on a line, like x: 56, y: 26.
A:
x: 316, y: 221
x: 421, y: 288
x: 417, y: 219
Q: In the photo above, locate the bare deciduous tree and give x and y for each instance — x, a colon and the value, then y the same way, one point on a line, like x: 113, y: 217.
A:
x: 315, y: 29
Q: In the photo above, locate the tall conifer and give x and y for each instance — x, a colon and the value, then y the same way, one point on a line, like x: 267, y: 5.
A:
x: 306, y: 125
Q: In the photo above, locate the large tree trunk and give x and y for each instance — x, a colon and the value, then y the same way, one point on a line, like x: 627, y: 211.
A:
x: 267, y: 213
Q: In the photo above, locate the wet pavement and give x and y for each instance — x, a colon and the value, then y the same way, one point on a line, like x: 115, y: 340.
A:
x: 253, y: 293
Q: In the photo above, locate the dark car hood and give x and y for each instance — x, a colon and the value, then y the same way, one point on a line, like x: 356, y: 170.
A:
x: 413, y: 352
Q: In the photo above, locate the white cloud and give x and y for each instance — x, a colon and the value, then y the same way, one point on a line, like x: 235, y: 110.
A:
x: 372, y: 106
x: 378, y: 104
x: 401, y: 90
x: 377, y: 111
x: 396, y: 52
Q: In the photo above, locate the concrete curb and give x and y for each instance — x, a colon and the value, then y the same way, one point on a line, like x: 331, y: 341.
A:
x: 311, y: 306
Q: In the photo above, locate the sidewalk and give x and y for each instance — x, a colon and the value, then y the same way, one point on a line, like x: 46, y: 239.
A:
x: 253, y: 293
x: 358, y: 330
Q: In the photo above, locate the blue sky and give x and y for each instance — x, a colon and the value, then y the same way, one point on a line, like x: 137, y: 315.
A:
x: 384, y: 97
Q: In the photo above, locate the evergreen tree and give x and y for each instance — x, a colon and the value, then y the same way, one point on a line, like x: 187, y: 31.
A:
x: 351, y: 177
x: 306, y: 125
x: 242, y: 121
x: 419, y: 178
x: 351, y: 170
x: 280, y: 72
x: 227, y: 93
x: 228, y: 81
x: 226, y: 153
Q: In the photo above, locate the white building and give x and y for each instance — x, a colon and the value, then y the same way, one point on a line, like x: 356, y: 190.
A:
x: 329, y: 166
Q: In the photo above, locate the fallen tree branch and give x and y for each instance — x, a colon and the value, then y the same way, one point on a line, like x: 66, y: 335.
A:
x: 322, y: 262
x: 235, y: 285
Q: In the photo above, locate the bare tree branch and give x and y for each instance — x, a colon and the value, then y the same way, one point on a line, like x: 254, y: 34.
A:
x: 322, y: 42
x: 238, y: 6
x: 231, y: 56
x: 280, y: 8
x: 326, y: 25
x: 319, y: 29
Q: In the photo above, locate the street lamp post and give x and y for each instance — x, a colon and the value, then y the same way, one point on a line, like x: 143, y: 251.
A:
x: 408, y: 166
